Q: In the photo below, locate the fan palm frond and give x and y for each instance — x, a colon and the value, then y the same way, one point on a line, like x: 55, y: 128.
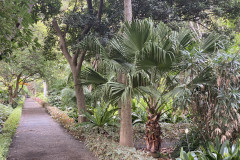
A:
x: 89, y: 76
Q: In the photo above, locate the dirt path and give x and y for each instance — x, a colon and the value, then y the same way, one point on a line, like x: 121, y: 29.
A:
x: 39, y: 137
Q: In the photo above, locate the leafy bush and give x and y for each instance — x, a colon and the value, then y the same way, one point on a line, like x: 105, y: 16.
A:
x: 100, y: 116
x: 61, y: 116
x: 3, y: 95
x: 5, y: 111
x: 190, y: 142
x: 214, y: 152
x: 68, y: 99
x: 213, y: 96
x: 9, y: 130
x: 139, y: 114
x: 54, y: 98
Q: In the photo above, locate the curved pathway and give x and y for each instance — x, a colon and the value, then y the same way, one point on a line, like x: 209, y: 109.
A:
x: 39, y: 137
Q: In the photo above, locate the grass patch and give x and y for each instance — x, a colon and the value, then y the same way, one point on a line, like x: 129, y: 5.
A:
x: 9, y: 129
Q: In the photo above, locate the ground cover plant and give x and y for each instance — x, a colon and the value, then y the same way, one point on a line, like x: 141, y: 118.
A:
x: 9, y: 129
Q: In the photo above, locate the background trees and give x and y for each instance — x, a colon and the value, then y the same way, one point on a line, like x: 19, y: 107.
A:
x: 21, y: 69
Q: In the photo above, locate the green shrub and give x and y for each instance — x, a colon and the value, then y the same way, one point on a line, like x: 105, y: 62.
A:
x: 190, y: 142
x: 5, y: 111
x: 68, y: 99
x: 139, y: 114
x: 100, y: 116
x: 9, y: 130
x: 214, y: 152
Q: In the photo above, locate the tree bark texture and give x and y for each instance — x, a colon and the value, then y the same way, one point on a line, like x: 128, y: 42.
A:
x: 128, y: 10
x: 126, y: 130
x: 79, y: 96
x: 153, y: 133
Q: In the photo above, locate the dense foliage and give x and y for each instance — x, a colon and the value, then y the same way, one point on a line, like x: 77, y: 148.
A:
x: 5, y: 111
x: 177, y: 61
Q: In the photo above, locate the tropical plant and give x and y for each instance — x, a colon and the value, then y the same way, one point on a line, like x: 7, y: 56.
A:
x: 214, y: 152
x: 101, y: 115
x: 211, y: 82
x: 146, y: 55
x: 139, y: 114
x: 5, y: 111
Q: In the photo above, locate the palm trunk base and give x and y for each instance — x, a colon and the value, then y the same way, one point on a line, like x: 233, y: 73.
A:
x: 153, y: 135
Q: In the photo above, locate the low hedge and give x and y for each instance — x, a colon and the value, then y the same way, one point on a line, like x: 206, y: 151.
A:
x: 9, y: 129
x: 61, y: 116
x: 103, y: 147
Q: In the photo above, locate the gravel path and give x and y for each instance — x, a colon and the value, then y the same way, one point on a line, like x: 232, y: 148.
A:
x: 39, y: 137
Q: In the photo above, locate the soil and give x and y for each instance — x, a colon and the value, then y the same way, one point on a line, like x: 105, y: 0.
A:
x: 39, y: 137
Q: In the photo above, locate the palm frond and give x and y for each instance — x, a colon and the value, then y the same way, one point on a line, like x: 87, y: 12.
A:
x: 209, y: 44
x: 89, y: 76
x: 91, y: 44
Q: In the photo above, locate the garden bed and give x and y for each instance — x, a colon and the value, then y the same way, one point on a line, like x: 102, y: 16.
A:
x: 106, y: 146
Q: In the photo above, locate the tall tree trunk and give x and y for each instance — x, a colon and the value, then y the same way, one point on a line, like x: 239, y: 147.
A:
x: 128, y: 10
x: 79, y: 96
x: 126, y: 130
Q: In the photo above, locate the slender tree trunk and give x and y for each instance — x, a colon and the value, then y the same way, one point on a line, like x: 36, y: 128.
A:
x: 75, y: 61
x: 128, y: 10
x: 126, y: 130
x: 120, y: 105
x: 17, y: 86
x: 10, y: 94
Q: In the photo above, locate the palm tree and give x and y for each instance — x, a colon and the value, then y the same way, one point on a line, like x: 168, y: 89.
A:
x: 147, y: 56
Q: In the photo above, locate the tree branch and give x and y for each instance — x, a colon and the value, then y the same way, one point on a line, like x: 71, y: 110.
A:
x: 63, y: 45
x: 24, y: 81
x: 80, y: 62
